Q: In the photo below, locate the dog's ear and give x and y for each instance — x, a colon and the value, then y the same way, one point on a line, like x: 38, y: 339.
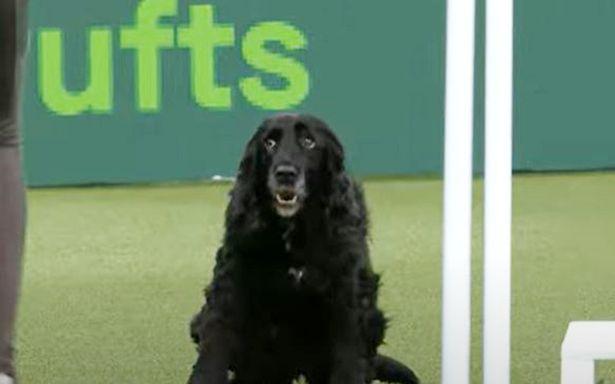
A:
x: 249, y: 160
x: 336, y: 184
x: 343, y: 196
x: 242, y: 212
x: 334, y: 154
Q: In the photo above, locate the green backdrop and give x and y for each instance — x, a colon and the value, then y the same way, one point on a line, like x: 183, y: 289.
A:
x: 375, y: 71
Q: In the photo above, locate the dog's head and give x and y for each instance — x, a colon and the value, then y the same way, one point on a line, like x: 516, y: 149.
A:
x: 290, y: 161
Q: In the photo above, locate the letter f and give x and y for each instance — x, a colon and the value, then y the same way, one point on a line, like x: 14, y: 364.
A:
x: 147, y: 37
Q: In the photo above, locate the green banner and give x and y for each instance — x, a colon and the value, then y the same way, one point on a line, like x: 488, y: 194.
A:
x: 152, y: 90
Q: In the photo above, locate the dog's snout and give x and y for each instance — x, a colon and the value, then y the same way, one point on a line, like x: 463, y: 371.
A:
x: 286, y: 174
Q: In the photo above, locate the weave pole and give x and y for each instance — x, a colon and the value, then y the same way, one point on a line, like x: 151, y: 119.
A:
x: 457, y: 192
x: 498, y: 182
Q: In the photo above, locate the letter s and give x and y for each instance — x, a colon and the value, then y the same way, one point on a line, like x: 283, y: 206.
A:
x: 256, y: 55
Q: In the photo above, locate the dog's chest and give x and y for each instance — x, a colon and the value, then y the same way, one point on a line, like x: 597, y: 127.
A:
x: 286, y: 264
x: 287, y: 301
x: 282, y: 279
x: 285, y: 280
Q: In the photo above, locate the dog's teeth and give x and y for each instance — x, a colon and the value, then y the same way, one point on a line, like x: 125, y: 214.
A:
x: 283, y: 201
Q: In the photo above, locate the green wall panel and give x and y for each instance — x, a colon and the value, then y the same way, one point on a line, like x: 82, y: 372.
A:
x: 375, y: 71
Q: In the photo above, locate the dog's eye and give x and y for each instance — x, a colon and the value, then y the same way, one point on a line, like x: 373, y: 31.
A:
x: 270, y: 144
x: 308, y: 142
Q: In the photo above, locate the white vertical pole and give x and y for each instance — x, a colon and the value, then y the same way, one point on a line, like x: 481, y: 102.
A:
x: 458, y: 192
x: 498, y: 182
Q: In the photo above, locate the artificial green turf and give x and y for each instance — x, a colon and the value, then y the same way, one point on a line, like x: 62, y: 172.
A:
x: 113, y: 275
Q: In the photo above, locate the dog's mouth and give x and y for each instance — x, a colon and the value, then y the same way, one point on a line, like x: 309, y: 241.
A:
x: 286, y: 198
x: 286, y: 202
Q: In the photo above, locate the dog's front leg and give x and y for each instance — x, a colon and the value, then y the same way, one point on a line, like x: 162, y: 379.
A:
x: 214, y: 358
x: 348, y: 366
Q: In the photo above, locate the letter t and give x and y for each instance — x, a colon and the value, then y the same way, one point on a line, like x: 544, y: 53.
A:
x: 202, y: 36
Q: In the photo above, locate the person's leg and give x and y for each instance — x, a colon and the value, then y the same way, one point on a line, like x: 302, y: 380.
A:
x: 12, y: 199
x: 11, y: 245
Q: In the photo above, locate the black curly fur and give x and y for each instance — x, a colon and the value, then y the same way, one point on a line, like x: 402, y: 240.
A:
x: 260, y: 321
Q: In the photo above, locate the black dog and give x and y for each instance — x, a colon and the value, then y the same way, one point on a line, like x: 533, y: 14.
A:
x: 293, y: 291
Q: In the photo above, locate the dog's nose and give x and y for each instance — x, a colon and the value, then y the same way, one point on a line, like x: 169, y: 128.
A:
x: 286, y: 174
